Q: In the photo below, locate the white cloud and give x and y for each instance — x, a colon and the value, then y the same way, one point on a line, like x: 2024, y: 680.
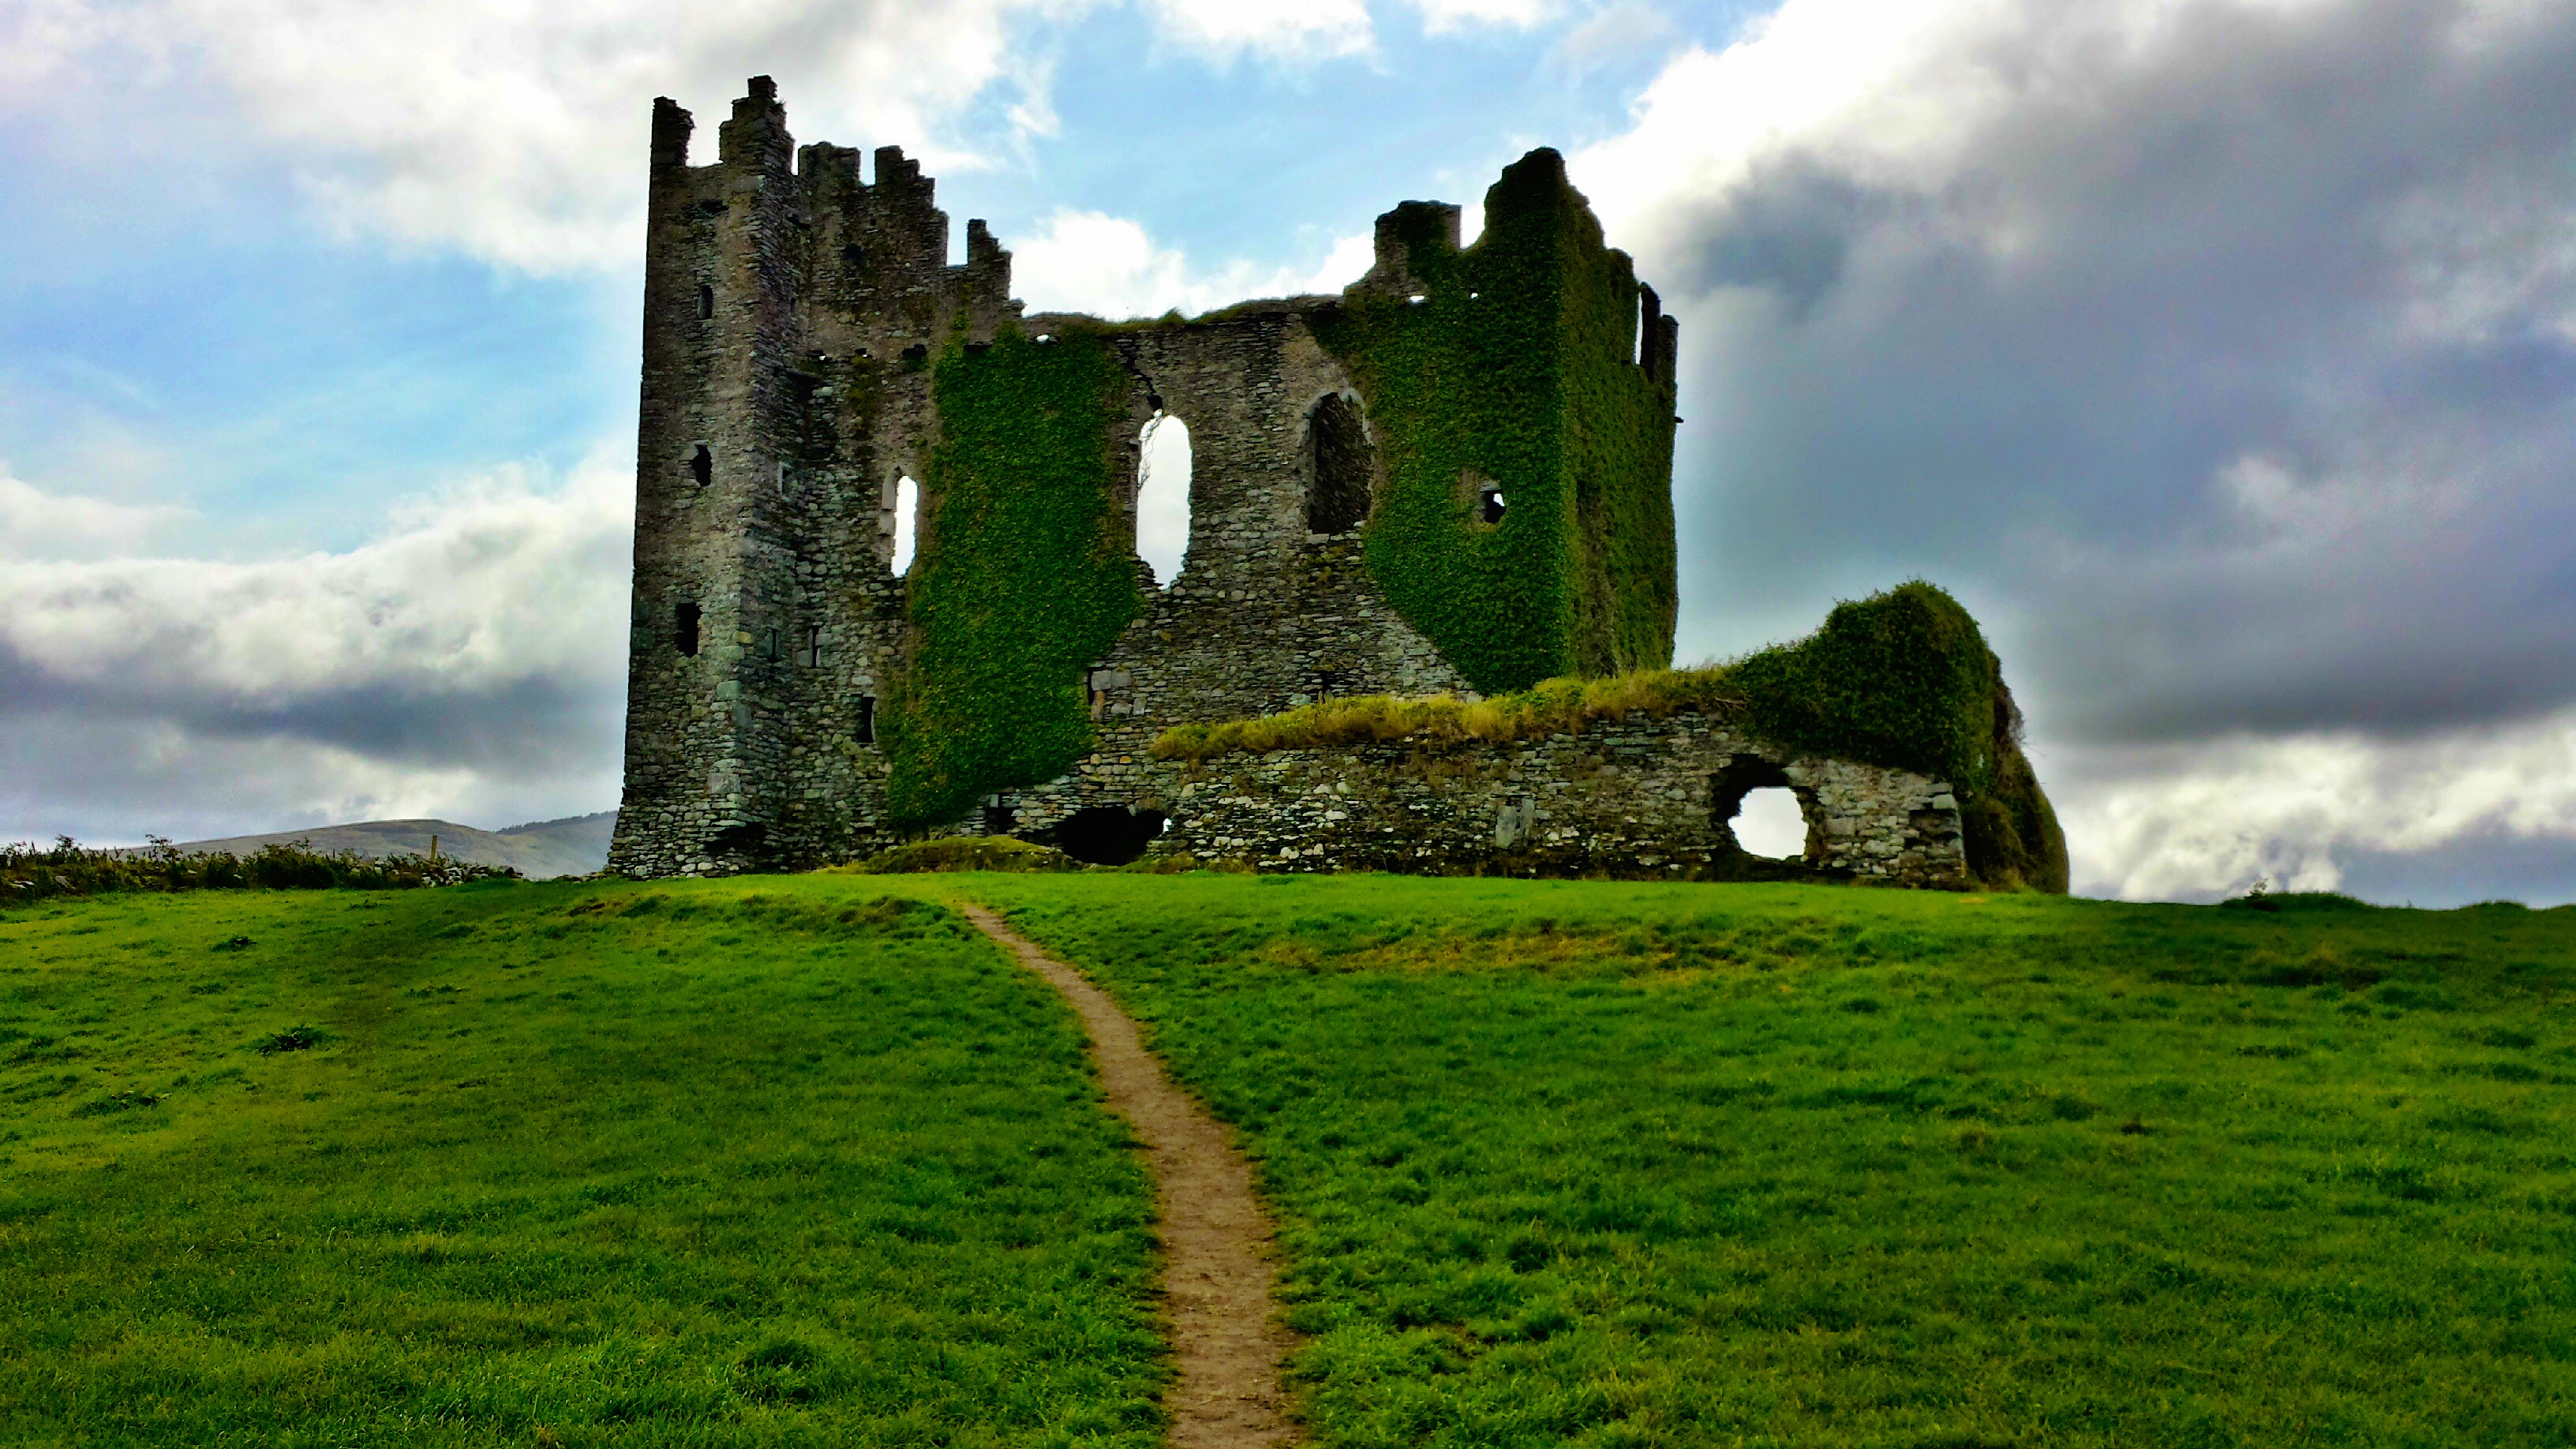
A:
x: 518, y: 133
x: 1442, y: 16
x: 1108, y: 266
x: 1275, y: 30
x: 35, y: 524
x: 469, y: 659
x: 1615, y: 32
x: 2213, y: 817
x: 489, y: 583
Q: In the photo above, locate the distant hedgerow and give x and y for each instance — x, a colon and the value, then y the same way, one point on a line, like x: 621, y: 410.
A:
x: 30, y: 872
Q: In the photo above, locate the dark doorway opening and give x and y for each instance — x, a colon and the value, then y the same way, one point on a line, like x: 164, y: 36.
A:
x: 1107, y: 835
x: 1337, y: 466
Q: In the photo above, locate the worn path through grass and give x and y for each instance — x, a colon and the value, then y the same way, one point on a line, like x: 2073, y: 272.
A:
x: 1227, y: 1344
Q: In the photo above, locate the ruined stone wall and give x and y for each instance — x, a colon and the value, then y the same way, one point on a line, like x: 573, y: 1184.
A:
x: 1265, y: 614
x: 801, y: 328
x: 1635, y: 798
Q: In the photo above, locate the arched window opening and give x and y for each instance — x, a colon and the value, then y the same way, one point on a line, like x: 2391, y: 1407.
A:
x: 1337, y: 466
x: 1106, y: 835
x: 1769, y: 823
x: 1163, y: 496
x: 706, y: 302
x: 702, y: 465
x: 684, y: 628
x: 1489, y: 505
x: 906, y: 523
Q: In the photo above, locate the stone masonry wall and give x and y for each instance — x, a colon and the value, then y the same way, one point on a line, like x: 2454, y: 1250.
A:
x: 1635, y: 798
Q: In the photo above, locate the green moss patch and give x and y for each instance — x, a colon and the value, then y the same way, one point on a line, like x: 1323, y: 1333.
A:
x: 1515, y: 371
x: 1027, y: 583
x: 965, y: 852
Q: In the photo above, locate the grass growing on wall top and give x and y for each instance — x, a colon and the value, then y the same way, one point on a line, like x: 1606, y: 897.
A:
x: 1902, y: 679
x: 1017, y: 581
x: 1553, y: 706
x: 1514, y: 369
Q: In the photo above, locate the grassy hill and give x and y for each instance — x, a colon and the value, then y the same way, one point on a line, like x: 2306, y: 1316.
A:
x: 540, y: 850
x: 769, y: 1160
x: 529, y: 1164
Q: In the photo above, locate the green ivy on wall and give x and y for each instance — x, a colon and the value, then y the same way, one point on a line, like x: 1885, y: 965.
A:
x: 1018, y: 580
x: 1904, y: 678
x: 1517, y: 368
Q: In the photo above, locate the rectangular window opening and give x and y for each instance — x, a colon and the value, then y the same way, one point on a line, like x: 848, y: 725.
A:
x: 684, y: 628
x: 814, y: 647
x: 867, y: 729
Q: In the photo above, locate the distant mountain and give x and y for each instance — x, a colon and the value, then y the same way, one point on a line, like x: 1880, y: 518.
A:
x: 576, y: 845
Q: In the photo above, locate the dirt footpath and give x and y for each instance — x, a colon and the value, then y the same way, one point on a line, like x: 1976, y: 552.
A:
x: 1216, y: 1265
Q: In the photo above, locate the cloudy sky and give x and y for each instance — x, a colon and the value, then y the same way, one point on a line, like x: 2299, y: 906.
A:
x: 2220, y: 355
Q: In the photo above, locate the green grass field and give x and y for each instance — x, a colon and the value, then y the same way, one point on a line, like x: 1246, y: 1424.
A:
x: 1580, y: 1163
x: 762, y: 1164
x: 774, y: 1160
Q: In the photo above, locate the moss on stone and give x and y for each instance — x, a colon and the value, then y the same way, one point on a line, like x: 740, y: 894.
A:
x: 1516, y: 371
x: 1019, y: 578
x: 1901, y: 679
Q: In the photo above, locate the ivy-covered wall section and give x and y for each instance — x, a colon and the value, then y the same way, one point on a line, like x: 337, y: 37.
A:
x: 1518, y: 371
x: 1019, y: 578
x: 1901, y: 679
x: 1904, y: 678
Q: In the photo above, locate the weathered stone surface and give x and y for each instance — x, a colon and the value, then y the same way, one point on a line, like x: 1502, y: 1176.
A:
x: 1634, y: 798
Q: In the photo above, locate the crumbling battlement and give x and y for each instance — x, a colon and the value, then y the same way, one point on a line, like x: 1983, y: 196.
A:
x: 1453, y: 477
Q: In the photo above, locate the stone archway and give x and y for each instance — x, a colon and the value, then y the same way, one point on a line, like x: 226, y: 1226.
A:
x: 1741, y: 776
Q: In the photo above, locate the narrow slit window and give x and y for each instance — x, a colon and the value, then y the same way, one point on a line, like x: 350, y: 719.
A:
x: 684, y: 628
x: 905, y: 524
x: 702, y: 465
x: 814, y: 647
x: 706, y: 302
x: 769, y: 644
x: 867, y: 727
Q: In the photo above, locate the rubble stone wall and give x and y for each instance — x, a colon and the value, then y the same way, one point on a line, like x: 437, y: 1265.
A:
x: 1632, y: 798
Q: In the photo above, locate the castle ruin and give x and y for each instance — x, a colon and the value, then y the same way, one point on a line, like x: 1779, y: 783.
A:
x: 1454, y: 476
